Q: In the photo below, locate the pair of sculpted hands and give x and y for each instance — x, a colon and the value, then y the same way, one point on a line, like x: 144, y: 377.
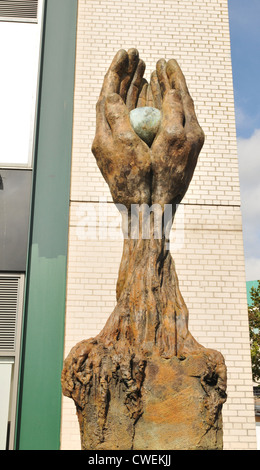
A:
x: 136, y: 173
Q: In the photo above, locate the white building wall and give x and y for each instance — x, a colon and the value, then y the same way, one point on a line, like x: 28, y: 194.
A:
x: 209, y: 258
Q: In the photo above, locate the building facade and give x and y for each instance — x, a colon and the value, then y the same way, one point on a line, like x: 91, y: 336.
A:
x: 34, y: 200
x: 75, y: 243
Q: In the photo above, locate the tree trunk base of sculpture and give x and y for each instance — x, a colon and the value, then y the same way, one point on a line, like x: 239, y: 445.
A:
x: 128, y: 402
x: 179, y: 413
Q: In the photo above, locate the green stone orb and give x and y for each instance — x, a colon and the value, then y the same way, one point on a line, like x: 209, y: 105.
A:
x: 146, y: 122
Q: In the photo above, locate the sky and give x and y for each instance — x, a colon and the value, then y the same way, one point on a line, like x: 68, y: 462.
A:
x: 244, y: 17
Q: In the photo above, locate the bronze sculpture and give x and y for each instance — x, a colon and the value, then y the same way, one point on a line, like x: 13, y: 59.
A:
x: 144, y: 382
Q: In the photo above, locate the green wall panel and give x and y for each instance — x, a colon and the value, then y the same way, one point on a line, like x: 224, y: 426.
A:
x: 39, y: 409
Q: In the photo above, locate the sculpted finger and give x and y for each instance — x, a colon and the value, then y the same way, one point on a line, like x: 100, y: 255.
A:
x: 193, y: 130
x: 176, y: 77
x: 134, y: 89
x: 102, y: 127
x: 162, y: 76
x: 178, y: 82
x: 111, y: 84
x: 142, y: 95
x: 115, y: 74
x: 156, y: 90
x: 133, y: 56
x: 172, y: 115
x: 149, y: 97
x: 118, y: 116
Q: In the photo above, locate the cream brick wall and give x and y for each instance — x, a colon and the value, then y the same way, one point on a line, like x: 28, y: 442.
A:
x: 209, y: 254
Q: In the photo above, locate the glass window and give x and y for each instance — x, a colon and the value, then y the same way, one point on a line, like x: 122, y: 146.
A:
x: 19, y: 52
x: 6, y: 365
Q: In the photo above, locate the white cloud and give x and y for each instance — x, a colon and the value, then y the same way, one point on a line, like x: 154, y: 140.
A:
x: 243, y: 120
x: 249, y: 160
x: 249, y: 168
x: 252, y: 269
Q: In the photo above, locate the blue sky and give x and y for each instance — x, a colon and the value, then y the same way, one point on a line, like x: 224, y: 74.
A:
x: 245, y: 50
x: 244, y: 18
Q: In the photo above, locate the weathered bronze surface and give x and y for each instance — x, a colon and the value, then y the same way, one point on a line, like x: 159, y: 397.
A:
x: 144, y: 382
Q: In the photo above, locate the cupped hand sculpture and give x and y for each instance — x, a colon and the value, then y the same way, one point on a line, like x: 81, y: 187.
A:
x: 135, y: 172
x: 123, y: 158
x: 144, y: 382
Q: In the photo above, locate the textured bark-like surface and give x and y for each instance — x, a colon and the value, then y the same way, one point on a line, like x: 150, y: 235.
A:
x: 128, y: 402
x: 181, y: 404
x: 144, y: 382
